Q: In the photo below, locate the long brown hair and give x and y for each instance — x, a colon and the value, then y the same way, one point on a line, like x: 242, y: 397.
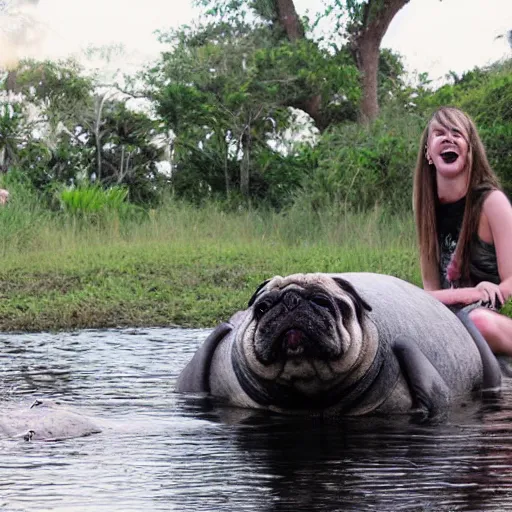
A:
x: 481, y: 179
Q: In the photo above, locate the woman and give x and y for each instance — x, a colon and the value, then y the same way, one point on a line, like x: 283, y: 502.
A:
x: 464, y: 225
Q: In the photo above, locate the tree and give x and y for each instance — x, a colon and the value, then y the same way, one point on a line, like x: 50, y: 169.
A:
x: 128, y: 153
x: 215, y: 89
x: 77, y: 131
x: 13, y: 131
x: 361, y: 24
x: 226, y: 87
x: 370, y: 21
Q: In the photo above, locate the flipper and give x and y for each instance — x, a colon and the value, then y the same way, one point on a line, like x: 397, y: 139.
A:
x: 490, y: 366
x: 195, y: 376
x: 505, y: 363
x: 428, y: 389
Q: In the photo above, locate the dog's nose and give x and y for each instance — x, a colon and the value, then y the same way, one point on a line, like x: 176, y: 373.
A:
x: 291, y: 300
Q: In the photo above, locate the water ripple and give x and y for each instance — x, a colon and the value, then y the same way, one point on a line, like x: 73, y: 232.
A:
x: 167, y: 452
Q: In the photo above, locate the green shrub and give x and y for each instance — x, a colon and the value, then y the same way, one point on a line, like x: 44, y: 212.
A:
x: 360, y: 166
x: 93, y: 204
x: 91, y: 199
x: 491, y: 107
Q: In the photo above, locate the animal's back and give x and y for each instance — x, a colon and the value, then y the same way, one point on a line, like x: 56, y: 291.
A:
x: 46, y: 420
x: 402, y: 309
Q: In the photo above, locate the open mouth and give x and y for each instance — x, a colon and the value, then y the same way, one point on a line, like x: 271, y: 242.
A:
x: 293, y: 342
x: 449, y: 157
x: 297, y: 344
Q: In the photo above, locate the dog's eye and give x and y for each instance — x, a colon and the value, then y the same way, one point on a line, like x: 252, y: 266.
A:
x: 322, y: 301
x: 262, y: 307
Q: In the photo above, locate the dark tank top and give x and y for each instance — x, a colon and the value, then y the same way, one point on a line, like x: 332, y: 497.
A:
x: 483, y: 264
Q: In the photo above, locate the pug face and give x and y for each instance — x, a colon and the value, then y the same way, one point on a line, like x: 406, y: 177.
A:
x: 307, y: 334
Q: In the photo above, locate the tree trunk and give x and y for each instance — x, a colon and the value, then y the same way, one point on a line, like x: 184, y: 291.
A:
x: 368, y: 64
x: 289, y: 20
x: 378, y: 14
x: 245, y: 163
x: 223, y: 142
x: 10, y: 82
x: 3, y: 167
x: 292, y: 25
x: 99, y: 103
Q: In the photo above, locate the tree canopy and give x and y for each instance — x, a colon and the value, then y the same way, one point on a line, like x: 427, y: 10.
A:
x: 250, y: 105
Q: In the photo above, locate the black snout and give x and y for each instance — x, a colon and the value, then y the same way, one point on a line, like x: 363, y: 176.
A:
x: 295, y: 342
x: 291, y: 300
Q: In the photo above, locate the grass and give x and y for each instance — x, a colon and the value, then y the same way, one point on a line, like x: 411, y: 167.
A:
x: 178, y: 265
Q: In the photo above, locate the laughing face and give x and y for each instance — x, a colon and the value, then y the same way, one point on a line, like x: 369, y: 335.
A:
x: 448, y: 148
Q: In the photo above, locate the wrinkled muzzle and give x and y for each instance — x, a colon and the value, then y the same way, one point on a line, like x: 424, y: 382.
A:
x: 298, y: 327
x: 301, y: 347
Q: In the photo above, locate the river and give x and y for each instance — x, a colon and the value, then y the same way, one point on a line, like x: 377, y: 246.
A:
x: 169, y: 452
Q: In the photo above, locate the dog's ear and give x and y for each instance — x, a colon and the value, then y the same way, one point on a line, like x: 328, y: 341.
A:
x: 359, y: 302
x: 257, y: 292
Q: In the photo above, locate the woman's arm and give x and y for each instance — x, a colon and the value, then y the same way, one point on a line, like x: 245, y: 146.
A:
x: 458, y: 295
x: 432, y: 284
x: 498, y: 213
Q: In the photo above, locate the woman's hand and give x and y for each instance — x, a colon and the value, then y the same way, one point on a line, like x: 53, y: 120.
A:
x: 491, y: 294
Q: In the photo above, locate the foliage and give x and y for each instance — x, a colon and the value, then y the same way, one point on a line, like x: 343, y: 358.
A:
x: 91, y: 199
x: 353, y: 28
x: 181, y: 265
x: 92, y: 204
x: 64, y: 130
x: 208, y: 89
x: 14, y: 130
x: 24, y: 219
x: 391, y: 77
x: 225, y: 91
x: 60, y: 89
x: 281, y: 176
x: 129, y: 155
x: 361, y: 166
x: 490, y: 104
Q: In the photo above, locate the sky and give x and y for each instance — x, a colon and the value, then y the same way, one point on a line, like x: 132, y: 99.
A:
x: 436, y: 36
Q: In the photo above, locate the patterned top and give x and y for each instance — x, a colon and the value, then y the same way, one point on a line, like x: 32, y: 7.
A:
x: 483, y: 265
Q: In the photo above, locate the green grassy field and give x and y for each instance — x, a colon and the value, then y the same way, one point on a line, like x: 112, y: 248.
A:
x: 178, y: 265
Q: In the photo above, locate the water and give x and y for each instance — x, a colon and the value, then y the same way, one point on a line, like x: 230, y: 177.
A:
x: 168, y: 452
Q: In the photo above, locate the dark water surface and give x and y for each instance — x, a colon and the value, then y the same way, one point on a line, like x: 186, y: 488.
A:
x: 172, y: 453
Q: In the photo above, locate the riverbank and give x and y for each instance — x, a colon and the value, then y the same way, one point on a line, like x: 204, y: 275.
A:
x: 184, y: 266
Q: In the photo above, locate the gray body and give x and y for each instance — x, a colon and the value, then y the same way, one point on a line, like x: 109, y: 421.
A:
x: 386, y: 346
x: 45, y: 421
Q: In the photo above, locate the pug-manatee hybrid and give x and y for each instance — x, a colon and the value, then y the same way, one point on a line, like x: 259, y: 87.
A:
x: 343, y: 344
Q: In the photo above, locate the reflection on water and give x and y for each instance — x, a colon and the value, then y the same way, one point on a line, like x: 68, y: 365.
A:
x: 169, y: 452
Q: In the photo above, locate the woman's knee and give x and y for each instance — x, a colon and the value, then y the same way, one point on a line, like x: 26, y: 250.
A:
x: 484, y: 321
